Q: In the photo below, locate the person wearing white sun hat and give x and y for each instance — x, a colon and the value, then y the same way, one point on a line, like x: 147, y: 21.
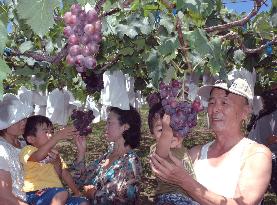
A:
x: 231, y: 169
x: 13, y: 114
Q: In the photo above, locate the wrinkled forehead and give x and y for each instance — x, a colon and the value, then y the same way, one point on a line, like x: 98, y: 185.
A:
x: 217, y: 93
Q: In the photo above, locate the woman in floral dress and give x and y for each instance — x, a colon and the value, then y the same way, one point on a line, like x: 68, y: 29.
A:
x: 114, y: 177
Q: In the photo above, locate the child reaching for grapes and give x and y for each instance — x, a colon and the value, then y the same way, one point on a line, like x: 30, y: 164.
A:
x: 166, y: 142
x: 43, y: 167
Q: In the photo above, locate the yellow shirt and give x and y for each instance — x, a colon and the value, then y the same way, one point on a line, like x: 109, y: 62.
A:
x: 182, y: 154
x: 37, y: 175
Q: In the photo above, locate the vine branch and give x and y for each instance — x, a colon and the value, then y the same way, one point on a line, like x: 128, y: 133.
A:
x: 241, y: 22
x: 233, y: 36
x: 183, y: 44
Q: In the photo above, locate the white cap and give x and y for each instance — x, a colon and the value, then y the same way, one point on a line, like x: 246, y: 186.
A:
x: 241, y: 82
x: 12, y: 110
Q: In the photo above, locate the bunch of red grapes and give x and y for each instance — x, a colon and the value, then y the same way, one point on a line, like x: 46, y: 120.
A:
x: 83, y: 31
x: 82, y: 121
x: 183, y: 115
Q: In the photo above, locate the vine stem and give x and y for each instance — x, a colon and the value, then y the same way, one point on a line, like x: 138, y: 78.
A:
x: 183, y: 44
x: 241, y: 22
x: 232, y: 36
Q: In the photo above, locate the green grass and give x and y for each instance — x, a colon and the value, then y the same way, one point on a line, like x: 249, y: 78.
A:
x: 96, y: 145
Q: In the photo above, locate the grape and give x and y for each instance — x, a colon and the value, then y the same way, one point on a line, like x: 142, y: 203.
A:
x: 67, y: 17
x: 75, y: 9
x: 96, y: 37
x: 89, y: 29
x: 93, y: 47
x: 79, y: 61
x: 73, y: 39
x: 92, y: 16
x: 74, y: 50
x: 86, y: 51
x: 89, y: 62
x: 70, y: 60
x: 98, y: 26
x: 67, y: 31
x: 82, y: 120
x: 85, y: 39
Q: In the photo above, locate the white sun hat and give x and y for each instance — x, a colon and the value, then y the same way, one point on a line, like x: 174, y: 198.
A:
x: 12, y: 110
x: 240, y: 82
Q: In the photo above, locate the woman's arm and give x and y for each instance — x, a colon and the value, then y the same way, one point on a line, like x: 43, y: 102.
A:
x: 251, y: 187
x: 164, y: 142
x: 6, y: 195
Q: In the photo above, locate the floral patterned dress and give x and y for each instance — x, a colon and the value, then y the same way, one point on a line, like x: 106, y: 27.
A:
x: 118, y: 184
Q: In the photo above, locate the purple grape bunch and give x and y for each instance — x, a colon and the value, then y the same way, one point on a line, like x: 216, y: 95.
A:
x: 82, y: 121
x: 182, y: 114
x: 83, y: 31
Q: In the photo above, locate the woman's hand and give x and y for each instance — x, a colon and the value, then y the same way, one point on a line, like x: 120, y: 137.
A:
x: 80, y: 142
x: 89, y: 191
x: 172, y: 173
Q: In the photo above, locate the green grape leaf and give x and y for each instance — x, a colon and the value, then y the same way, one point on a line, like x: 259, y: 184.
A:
x: 4, y: 71
x: 3, y: 36
x: 169, y: 75
x: 166, y: 21
x: 156, y: 67
x: 26, y: 71
x: 140, y: 44
x: 261, y: 25
x: 38, y: 14
x: 169, y: 46
x: 198, y: 41
x: 239, y: 56
x: 122, y: 30
x: 217, y: 59
x: 127, y: 51
x: 27, y: 45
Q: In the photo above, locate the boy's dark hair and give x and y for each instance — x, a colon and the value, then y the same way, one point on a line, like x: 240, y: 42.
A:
x: 131, y: 117
x: 32, y: 123
x: 2, y: 132
x: 153, y: 111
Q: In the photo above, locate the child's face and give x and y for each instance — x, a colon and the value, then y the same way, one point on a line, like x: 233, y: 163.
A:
x: 44, y: 133
x: 157, y: 127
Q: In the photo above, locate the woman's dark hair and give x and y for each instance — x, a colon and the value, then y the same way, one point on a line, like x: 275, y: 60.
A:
x: 131, y: 117
x: 155, y: 110
x: 32, y: 123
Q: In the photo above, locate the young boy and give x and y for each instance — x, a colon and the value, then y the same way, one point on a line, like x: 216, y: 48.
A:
x: 43, y: 167
x: 159, y: 125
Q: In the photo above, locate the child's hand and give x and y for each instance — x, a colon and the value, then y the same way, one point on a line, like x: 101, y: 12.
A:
x: 67, y: 132
x: 89, y: 191
x: 166, y: 122
x: 80, y: 142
